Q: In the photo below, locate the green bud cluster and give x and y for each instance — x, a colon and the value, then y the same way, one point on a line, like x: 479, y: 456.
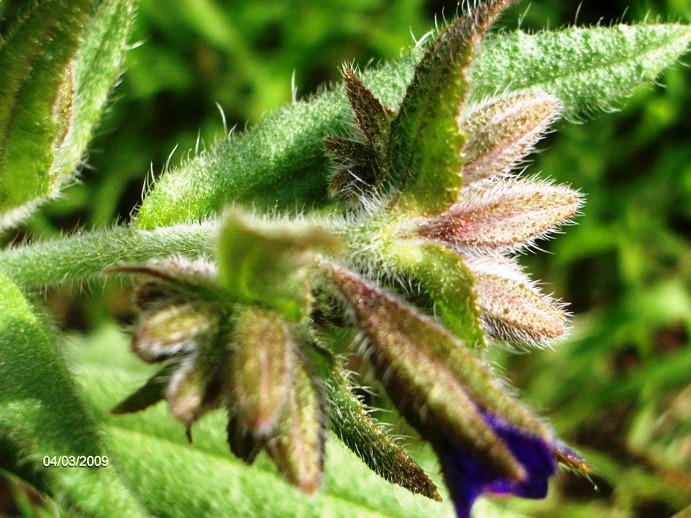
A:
x: 428, y: 197
x: 403, y: 267
x: 279, y: 387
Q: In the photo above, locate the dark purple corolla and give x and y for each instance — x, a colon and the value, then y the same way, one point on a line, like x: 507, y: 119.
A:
x: 467, y: 477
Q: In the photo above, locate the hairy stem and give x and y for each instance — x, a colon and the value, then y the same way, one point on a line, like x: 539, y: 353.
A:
x: 87, y: 256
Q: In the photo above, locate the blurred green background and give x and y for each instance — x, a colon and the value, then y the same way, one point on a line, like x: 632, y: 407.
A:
x: 619, y: 389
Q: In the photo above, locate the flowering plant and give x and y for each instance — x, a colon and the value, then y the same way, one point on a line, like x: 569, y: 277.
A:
x: 400, y: 271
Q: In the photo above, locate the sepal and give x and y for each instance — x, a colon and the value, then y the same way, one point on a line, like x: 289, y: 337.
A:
x: 352, y: 423
x: 372, y: 116
x: 194, y: 389
x: 448, y: 283
x: 268, y: 263
x: 153, y: 391
x: 175, y: 281
x: 297, y: 448
x: 513, y: 308
x: 425, y: 146
x: 504, y: 216
x: 358, y: 169
x: 243, y: 444
x: 260, y: 367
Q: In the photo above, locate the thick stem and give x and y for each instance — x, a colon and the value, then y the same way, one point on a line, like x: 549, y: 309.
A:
x: 87, y: 256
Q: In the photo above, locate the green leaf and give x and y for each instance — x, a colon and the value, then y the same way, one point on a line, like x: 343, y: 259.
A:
x: 587, y: 69
x: 59, y: 63
x: 175, y: 481
x: 97, y: 67
x: 43, y: 414
x: 37, y: 88
x: 425, y: 143
x: 280, y: 163
x: 595, y: 69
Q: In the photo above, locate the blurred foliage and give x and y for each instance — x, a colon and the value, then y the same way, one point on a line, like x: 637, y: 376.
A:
x: 619, y: 390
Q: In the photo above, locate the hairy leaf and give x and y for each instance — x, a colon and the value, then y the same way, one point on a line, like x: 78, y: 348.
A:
x: 598, y: 66
x: 42, y: 410
x: 97, y: 67
x: 58, y: 65
x: 587, y: 69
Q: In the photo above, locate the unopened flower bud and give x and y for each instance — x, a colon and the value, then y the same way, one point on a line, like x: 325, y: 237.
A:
x: 435, y: 382
x: 503, y: 215
x: 193, y: 389
x: 502, y: 131
x: 260, y: 368
x: 174, y: 330
x: 513, y: 309
x: 297, y: 447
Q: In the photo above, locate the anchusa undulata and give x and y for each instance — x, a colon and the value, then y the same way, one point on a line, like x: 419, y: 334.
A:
x: 413, y: 269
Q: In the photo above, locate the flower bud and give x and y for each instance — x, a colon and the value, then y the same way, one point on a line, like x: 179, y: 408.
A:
x: 512, y: 308
x: 260, y: 368
x: 297, y: 447
x: 502, y: 131
x: 435, y: 382
x: 193, y: 390
x: 174, y: 330
x: 503, y: 215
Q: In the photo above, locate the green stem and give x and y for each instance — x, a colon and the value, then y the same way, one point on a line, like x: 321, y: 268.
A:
x: 87, y: 256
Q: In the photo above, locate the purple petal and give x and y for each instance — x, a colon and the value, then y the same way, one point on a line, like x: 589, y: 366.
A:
x: 467, y: 478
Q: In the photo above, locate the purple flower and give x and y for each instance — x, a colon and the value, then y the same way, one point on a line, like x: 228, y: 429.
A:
x: 485, y: 440
x: 467, y: 477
